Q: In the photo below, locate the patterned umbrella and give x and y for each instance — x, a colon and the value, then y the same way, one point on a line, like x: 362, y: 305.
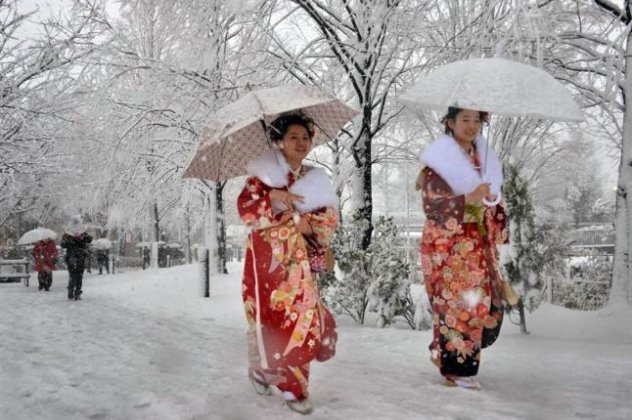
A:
x: 36, y: 235
x: 236, y: 133
x: 494, y: 85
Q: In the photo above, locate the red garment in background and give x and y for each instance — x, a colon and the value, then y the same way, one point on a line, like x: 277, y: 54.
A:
x: 45, y: 255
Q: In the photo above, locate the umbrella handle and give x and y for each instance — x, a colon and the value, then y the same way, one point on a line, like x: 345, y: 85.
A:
x: 489, y: 203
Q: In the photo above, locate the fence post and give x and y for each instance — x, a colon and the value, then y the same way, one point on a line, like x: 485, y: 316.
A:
x: 204, y: 281
x: 549, y: 286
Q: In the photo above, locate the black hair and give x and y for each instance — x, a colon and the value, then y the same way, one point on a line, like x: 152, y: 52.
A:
x: 454, y: 111
x: 279, y: 126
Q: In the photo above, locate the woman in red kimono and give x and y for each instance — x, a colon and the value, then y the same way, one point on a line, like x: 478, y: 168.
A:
x: 458, y: 248
x: 45, y: 256
x: 290, y: 208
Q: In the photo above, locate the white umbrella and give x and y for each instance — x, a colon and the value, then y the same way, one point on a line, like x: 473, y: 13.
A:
x: 494, y: 85
x: 148, y: 244
x: 36, y: 235
x: 237, y: 134
x: 102, y: 244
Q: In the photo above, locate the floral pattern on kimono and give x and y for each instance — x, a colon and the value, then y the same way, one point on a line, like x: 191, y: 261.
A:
x: 285, y: 315
x: 460, y: 267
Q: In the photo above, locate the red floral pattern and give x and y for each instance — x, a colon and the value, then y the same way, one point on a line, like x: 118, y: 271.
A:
x: 288, y: 325
x: 460, y: 267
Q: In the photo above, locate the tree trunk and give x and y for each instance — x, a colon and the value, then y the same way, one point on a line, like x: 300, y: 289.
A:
x: 338, y: 182
x: 221, y: 228
x: 156, y: 222
x: 187, y: 227
x: 155, y: 231
x: 621, y: 275
x: 523, y: 319
x: 363, y: 200
x: 210, y: 209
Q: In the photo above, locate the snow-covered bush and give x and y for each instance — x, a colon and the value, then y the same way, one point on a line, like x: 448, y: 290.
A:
x: 422, y: 319
x: 587, y: 284
x: 376, y: 279
x: 389, y: 290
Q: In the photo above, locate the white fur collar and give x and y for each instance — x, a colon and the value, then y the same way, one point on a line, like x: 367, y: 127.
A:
x: 446, y: 157
x: 271, y: 168
x: 315, y: 186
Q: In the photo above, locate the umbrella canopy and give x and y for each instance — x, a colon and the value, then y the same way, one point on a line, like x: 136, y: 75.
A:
x: 36, y: 235
x: 235, y: 134
x: 102, y: 244
x: 148, y: 244
x: 494, y: 85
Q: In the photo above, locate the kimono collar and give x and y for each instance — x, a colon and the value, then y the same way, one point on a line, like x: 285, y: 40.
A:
x: 445, y: 156
x: 315, y: 186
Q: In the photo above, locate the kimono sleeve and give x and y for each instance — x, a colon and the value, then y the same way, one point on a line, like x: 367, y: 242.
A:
x: 439, y: 204
x: 323, y: 222
x: 497, y: 224
x: 255, y: 207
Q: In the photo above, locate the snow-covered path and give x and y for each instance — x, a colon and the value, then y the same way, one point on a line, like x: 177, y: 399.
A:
x: 143, y: 345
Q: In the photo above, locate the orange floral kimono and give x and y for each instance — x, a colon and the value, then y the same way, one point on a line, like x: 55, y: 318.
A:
x: 460, y: 264
x: 287, y: 324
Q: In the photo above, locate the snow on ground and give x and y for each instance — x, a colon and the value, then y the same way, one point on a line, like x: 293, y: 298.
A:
x: 144, y: 345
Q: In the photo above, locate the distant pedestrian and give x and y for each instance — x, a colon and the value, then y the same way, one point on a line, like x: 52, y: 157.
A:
x: 75, y: 240
x: 45, y: 257
x: 146, y: 257
x: 103, y: 259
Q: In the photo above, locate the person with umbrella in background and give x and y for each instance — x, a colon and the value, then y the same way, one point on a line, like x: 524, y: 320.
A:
x: 290, y: 208
x: 75, y: 240
x: 458, y: 247
x: 45, y: 257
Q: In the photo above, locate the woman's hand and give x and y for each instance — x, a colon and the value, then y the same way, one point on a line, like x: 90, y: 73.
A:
x: 480, y: 192
x: 304, y: 227
x: 286, y: 198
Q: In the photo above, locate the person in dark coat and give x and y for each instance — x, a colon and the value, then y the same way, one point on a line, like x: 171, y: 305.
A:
x: 45, y: 257
x: 103, y: 259
x: 75, y: 240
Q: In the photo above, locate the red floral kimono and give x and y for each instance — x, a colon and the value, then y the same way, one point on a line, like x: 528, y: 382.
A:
x: 460, y: 266
x: 288, y: 325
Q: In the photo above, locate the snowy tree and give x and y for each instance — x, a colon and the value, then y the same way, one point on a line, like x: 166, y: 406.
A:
x: 621, y: 290
x: 164, y: 68
x: 39, y: 67
x: 594, y: 58
x: 370, y: 42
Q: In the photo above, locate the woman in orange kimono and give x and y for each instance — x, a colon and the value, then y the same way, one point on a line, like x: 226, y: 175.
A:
x: 290, y: 208
x: 458, y: 248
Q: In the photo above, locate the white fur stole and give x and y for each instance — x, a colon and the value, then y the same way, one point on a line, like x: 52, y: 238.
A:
x: 315, y: 186
x: 445, y: 156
